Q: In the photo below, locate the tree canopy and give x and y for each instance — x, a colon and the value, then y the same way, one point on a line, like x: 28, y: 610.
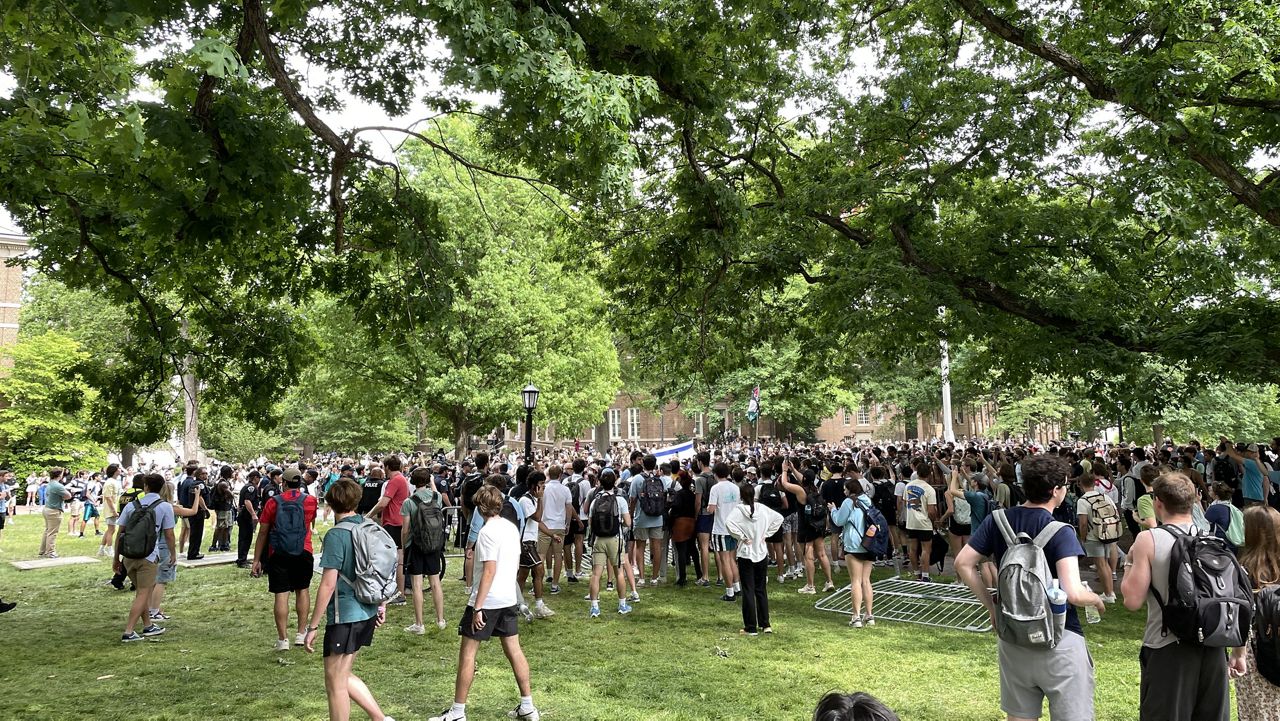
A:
x: 1086, y: 189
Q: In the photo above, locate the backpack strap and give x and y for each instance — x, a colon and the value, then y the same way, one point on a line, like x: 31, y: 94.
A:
x: 1006, y: 530
x: 1047, y: 533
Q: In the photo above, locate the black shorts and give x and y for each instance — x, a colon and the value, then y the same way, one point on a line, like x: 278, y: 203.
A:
x: 500, y: 622
x: 572, y: 533
x: 925, y: 536
x: 394, y: 532
x: 805, y: 533
x: 960, y: 529
x: 775, y: 538
x: 863, y: 556
x: 417, y: 563
x: 286, y: 573
x: 344, y: 638
x: 529, y: 557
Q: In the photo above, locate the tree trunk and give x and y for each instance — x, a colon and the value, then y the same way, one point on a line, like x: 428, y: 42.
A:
x: 462, y: 436
x: 126, y: 455
x: 423, y: 445
x: 191, y: 409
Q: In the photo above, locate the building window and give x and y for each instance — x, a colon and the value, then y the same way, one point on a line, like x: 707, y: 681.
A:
x: 844, y: 416
x: 699, y: 424
x: 615, y: 424
x: 864, y: 415
x: 633, y: 423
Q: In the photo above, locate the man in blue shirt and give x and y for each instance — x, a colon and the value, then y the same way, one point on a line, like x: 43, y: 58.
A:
x: 1254, y: 486
x: 144, y: 572
x: 1063, y: 674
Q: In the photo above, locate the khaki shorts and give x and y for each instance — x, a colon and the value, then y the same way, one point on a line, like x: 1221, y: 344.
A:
x: 141, y: 571
x: 606, y: 552
x: 657, y: 533
x: 549, y: 547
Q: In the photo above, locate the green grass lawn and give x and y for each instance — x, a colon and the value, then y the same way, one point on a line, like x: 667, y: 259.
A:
x: 678, y: 656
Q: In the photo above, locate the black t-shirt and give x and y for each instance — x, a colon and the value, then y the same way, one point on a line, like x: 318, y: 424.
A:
x: 186, y: 491
x: 833, y: 491
x: 370, y: 492
x: 684, y: 504
x: 76, y: 489
x: 250, y: 494
x: 221, y: 498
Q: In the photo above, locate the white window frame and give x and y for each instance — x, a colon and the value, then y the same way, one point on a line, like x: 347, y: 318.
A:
x: 864, y: 415
x: 615, y: 424
x: 633, y: 423
x: 699, y: 424
x: 845, y: 415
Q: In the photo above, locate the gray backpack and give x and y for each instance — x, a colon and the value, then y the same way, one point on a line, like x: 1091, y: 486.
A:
x: 1024, y: 616
x: 375, y: 566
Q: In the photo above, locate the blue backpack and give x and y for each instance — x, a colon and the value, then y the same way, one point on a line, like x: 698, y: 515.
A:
x: 875, y: 541
x: 289, y: 530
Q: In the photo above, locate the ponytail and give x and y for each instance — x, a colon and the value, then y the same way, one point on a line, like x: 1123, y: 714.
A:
x: 748, y: 494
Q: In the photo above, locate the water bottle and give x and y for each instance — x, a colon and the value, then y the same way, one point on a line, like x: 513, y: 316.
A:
x: 1057, y: 599
x: 1091, y: 614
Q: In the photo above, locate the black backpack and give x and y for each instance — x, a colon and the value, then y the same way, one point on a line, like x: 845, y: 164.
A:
x: 1017, y: 496
x: 138, y: 538
x: 815, y: 511
x: 653, y: 495
x: 768, y: 495
x: 427, y: 527
x: 884, y: 500
x: 1224, y: 471
x: 1210, y: 598
x: 604, y: 515
x: 1266, y: 634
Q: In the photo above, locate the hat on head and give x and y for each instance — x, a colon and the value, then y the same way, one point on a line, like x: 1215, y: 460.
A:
x: 1252, y: 448
x: 291, y: 473
x: 752, y: 470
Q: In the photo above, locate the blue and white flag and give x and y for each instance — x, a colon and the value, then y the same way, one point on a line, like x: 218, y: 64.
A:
x: 678, y: 452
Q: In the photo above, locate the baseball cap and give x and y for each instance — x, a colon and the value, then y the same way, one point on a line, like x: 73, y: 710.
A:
x: 1252, y: 448
x: 752, y: 470
x: 291, y: 473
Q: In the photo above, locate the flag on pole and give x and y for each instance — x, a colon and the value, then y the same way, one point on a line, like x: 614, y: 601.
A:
x: 679, y: 452
x: 753, y: 406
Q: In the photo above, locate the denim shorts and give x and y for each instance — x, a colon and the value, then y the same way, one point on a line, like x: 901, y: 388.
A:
x: 166, y: 573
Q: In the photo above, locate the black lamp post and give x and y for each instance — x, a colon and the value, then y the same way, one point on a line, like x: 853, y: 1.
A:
x: 530, y: 397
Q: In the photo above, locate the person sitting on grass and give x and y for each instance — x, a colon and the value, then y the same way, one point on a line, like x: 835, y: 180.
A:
x: 141, y: 563
x: 338, y: 602
x: 492, y: 609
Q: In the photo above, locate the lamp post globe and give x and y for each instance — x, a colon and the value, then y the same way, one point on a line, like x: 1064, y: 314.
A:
x: 529, y: 396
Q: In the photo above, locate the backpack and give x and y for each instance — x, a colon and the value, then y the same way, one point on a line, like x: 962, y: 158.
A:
x: 769, y: 496
x: 815, y: 512
x: 289, y: 529
x: 604, y: 515
x: 653, y: 495
x: 1210, y: 598
x: 1024, y: 616
x: 1224, y: 471
x: 1235, y: 531
x: 1266, y: 634
x: 426, y: 529
x: 138, y: 539
x: 962, y: 512
x: 883, y: 499
x: 470, y: 485
x: 1104, y: 519
x: 875, y: 531
x: 375, y: 566
x: 514, y: 512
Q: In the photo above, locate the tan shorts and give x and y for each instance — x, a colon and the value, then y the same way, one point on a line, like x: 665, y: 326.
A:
x: 606, y: 551
x: 141, y: 571
x: 548, y: 547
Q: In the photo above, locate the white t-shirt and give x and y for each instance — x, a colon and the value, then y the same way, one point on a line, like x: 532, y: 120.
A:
x: 584, y: 493
x: 555, y: 498
x: 916, y: 498
x: 498, y: 541
x: 530, y: 506
x: 725, y: 497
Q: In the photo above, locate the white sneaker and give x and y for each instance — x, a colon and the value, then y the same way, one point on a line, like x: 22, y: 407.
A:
x: 1109, y: 598
x: 530, y: 715
x: 449, y: 715
x: 416, y: 629
x: 856, y: 622
x: 782, y: 579
x: 282, y: 645
x: 441, y: 624
x: 524, y: 611
x: 300, y: 639
x: 807, y: 590
x: 543, y: 612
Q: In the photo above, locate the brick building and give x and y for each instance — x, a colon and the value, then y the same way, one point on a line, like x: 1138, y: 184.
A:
x: 11, y: 246
x: 632, y: 418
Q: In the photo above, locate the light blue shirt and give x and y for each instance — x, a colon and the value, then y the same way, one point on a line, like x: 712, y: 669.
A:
x: 852, y: 519
x: 164, y: 520
x: 643, y: 520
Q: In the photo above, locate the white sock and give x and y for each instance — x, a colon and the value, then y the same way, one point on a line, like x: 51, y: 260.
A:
x: 458, y: 708
x: 153, y: 611
x: 737, y: 587
x: 539, y: 603
x: 526, y: 703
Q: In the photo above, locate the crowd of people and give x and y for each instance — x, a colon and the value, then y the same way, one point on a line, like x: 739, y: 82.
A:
x: 1018, y: 521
